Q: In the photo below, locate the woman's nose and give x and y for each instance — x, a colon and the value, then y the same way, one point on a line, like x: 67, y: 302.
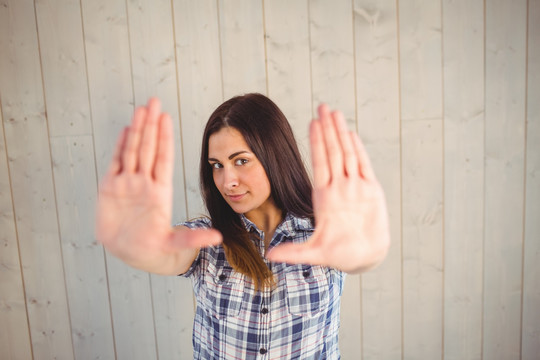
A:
x: 230, y: 178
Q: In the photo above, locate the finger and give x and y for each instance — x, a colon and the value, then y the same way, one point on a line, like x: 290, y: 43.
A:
x: 321, y: 173
x: 195, y: 238
x: 296, y: 254
x: 350, y: 159
x: 115, y: 166
x: 147, y: 150
x: 331, y: 141
x: 164, y: 159
x: 366, y: 170
x: 131, y: 151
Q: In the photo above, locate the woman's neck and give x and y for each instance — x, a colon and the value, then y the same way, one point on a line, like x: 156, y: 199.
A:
x: 267, y: 220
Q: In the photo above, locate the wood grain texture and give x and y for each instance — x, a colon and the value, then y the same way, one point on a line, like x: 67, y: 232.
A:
x: 420, y: 59
x: 377, y: 101
x: 422, y: 178
x: 242, y: 47
x: 15, y: 335
x: 153, y: 59
x: 62, y: 57
x: 422, y: 239
x: 198, y: 67
x: 463, y: 59
x: 504, y: 177
x: 332, y: 56
x: 332, y: 72
x: 64, y: 69
x: 111, y: 103
x: 288, y: 64
x: 530, y: 347
x: 443, y: 93
x: 83, y: 257
x: 26, y: 134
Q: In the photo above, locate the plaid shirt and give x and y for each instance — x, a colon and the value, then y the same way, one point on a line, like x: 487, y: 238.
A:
x: 299, y: 319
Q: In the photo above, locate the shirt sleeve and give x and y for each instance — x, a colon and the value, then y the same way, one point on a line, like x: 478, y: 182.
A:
x: 199, y: 223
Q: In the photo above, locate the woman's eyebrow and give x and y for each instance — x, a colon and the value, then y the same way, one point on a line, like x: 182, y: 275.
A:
x: 231, y: 156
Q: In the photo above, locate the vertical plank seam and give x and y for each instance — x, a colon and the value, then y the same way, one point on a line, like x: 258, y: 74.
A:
x: 354, y: 70
x: 484, y: 196
x: 218, y: 13
x: 97, y: 175
x: 13, y: 209
x: 179, y: 106
x: 265, y: 48
x: 360, y: 300
x: 524, y: 218
x: 151, y: 293
x: 51, y: 164
x: 126, y: 6
x: 310, y: 58
x: 400, y: 174
x: 153, y: 314
x: 443, y: 185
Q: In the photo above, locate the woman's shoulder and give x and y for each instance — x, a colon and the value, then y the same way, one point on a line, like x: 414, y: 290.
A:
x: 298, y: 223
x: 203, y: 222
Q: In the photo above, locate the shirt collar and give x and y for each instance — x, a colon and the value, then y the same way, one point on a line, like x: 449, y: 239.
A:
x: 289, y: 226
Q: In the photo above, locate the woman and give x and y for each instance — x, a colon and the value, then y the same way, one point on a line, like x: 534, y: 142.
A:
x: 267, y: 282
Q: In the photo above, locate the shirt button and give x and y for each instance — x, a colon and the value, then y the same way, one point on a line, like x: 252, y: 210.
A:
x: 306, y: 273
x: 222, y: 277
x: 264, y: 311
x: 262, y: 351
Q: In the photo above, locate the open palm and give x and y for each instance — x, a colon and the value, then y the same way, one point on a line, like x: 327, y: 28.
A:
x: 135, y: 199
x: 352, y: 232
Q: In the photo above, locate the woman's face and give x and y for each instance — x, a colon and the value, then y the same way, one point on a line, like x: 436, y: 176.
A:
x: 238, y: 174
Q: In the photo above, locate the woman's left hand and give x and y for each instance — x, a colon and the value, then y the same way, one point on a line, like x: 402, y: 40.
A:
x: 352, y: 231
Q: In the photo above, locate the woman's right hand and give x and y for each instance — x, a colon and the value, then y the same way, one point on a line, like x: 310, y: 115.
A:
x: 134, y: 209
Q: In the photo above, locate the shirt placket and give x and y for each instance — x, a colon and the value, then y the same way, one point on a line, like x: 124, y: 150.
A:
x: 264, y: 311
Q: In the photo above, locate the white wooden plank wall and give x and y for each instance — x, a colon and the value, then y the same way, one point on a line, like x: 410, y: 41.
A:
x: 444, y: 93
x: 378, y: 114
x: 531, y: 261
x: 463, y: 68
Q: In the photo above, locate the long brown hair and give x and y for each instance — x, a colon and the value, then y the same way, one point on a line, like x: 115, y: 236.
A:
x: 269, y: 135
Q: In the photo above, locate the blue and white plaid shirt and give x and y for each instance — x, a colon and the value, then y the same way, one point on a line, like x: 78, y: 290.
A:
x: 299, y: 319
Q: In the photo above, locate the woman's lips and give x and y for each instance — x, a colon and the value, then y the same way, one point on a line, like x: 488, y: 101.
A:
x: 235, y: 197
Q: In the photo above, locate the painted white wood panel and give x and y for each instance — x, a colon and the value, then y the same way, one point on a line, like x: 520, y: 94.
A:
x: 110, y: 83
x: 531, y: 268
x: 97, y: 59
x: 420, y: 59
x: 15, y: 335
x: 64, y: 72
x: 63, y: 61
x: 288, y: 64
x: 504, y: 177
x: 83, y: 257
x: 463, y: 66
x: 332, y: 56
x: 153, y: 60
x: 422, y: 178
x: 332, y: 72
x: 377, y: 102
x: 422, y: 239
x: 26, y: 136
x: 198, y: 64
x: 242, y: 47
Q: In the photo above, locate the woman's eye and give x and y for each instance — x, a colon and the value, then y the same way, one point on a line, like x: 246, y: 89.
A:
x: 241, y: 162
x: 216, y: 166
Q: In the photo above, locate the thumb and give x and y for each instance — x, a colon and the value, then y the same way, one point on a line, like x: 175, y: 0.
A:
x: 290, y: 253
x: 183, y: 237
